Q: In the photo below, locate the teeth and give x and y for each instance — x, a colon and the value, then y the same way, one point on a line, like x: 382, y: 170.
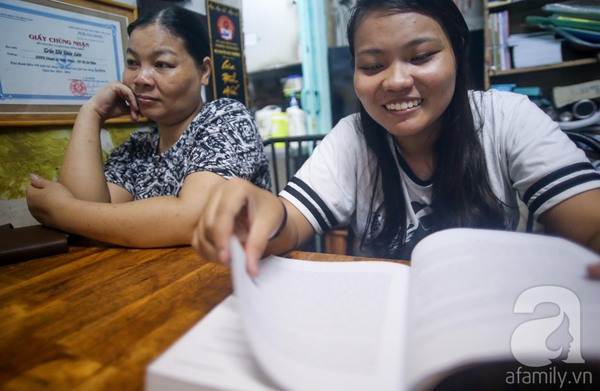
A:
x: 404, y: 105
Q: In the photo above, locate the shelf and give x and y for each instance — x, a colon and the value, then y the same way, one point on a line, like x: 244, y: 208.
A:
x: 498, y: 4
x: 516, y: 5
x: 578, y: 66
x: 564, y: 64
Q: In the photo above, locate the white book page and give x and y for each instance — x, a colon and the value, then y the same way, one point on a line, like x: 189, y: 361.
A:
x: 464, y: 286
x: 323, y: 325
x: 212, y: 355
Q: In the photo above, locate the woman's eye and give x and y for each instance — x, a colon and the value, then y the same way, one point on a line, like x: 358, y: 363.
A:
x: 370, y: 68
x: 421, y: 58
x: 163, y: 65
x: 131, y: 63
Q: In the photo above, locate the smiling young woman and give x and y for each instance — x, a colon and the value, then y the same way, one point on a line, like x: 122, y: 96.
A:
x: 424, y: 153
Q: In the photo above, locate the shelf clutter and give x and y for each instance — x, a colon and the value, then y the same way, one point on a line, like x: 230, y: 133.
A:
x: 275, y: 121
x: 524, y: 55
x: 535, y: 49
x: 499, y: 45
x: 577, y: 21
x: 576, y: 109
x: 571, y: 26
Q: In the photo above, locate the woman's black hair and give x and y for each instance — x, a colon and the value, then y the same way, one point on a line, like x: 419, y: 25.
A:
x: 461, y: 195
x: 181, y: 22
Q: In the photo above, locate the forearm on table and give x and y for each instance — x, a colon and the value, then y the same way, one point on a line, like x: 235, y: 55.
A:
x: 153, y: 222
x: 82, y: 170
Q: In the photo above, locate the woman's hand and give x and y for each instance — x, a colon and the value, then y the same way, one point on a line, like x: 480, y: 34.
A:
x: 44, y: 199
x: 241, y: 208
x: 114, y: 100
x: 594, y: 271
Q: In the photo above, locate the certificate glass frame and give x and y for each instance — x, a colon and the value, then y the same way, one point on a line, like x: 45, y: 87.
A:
x: 57, y: 55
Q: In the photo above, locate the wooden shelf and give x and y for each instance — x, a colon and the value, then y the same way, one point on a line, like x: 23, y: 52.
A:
x: 516, y: 5
x: 564, y: 64
x: 578, y: 66
x: 498, y: 4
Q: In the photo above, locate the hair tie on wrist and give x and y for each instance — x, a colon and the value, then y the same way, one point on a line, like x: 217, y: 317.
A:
x: 283, y: 222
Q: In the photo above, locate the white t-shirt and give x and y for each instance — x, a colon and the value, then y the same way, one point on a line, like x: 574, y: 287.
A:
x: 527, y: 156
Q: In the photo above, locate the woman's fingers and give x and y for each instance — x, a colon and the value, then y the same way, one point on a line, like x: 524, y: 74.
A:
x: 217, y: 221
x: 594, y: 270
x: 266, y: 216
x: 44, y: 197
x: 204, y: 248
x: 126, y: 94
x: 114, y: 100
x: 236, y: 207
x: 37, y: 181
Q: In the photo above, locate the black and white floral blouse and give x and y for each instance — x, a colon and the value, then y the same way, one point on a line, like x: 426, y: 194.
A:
x: 223, y: 139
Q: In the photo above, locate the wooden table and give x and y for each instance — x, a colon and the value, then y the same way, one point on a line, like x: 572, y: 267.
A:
x: 95, y: 317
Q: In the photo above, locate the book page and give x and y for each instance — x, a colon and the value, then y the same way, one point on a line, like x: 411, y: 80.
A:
x: 325, y: 325
x: 465, y: 285
x: 212, y: 355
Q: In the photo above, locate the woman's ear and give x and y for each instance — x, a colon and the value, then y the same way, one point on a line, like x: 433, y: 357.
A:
x: 205, y: 70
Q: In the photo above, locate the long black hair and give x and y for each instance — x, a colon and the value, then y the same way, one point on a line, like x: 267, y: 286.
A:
x: 461, y: 195
x: 181, y: 22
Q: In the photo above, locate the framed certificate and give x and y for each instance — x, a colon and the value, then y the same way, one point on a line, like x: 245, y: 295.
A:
x: 54, y: 55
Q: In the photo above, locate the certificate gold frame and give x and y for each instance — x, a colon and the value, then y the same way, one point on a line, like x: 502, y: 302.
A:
x: 33, y: 114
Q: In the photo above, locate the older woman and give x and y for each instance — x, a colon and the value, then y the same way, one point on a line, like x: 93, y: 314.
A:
x: 152, y: 189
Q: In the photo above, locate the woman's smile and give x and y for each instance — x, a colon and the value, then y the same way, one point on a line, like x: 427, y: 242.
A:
x: 404, y: 105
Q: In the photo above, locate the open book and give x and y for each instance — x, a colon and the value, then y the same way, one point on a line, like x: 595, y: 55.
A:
x: 470, y: 298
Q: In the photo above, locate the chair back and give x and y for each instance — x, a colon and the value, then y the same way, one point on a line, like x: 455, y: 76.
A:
x: 287, y: 154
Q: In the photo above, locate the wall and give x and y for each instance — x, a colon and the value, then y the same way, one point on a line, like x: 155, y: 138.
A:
x: 40, y: 151
x: 271, y: 34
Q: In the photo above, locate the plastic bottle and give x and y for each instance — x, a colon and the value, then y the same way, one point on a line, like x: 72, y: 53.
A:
x: 279, y: 127
x: 296, y: 118
x: 263, y: 120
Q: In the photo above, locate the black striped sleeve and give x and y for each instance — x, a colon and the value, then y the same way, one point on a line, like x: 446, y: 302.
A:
x: 299, y: 190
x: 556, y: 183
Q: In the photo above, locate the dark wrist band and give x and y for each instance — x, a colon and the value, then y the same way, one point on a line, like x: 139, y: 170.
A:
x: 283, y: 222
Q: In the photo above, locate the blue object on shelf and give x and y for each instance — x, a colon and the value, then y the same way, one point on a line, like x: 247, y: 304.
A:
x: 503, y: 87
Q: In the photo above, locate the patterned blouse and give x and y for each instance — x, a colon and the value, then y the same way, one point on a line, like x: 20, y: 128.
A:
x: 223, y: 139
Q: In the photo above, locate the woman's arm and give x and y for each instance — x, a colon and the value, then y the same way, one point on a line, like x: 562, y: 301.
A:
x: 255, y: 216
x: 152, y: 222
x: 577, y: 219
x: 82, y: 169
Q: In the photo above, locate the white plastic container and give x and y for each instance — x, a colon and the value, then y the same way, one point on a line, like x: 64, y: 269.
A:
x: 263, y: 119
x: 296, y: 118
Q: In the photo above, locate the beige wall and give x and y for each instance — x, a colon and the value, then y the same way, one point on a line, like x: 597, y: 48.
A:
x: 40, y: 151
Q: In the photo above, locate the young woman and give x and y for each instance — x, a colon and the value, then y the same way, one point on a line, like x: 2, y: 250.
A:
x: 423, y: 154
x: 153, y: 187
